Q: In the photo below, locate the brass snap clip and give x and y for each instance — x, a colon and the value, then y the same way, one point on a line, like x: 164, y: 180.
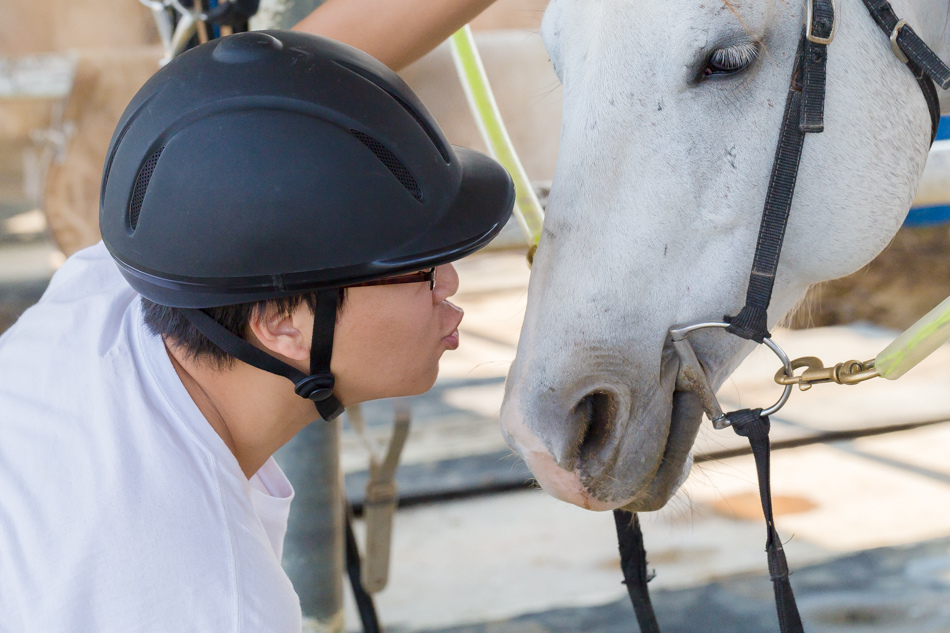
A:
x: 847, y: 373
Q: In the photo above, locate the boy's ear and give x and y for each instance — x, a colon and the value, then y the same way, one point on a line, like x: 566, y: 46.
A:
x: 281, y: 333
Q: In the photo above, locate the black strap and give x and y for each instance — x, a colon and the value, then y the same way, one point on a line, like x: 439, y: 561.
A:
x: 633, y: 563
x: 752, y: 321
x: 914, y: 48
x: 321, y: 350
x: 750, y: 423
x: 313, y: 386
x: 922, y: 61
x: 364, y: 601
x: 814, y: 64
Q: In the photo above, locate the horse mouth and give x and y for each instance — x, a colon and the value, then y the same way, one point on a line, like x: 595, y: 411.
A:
x: 686, y: 414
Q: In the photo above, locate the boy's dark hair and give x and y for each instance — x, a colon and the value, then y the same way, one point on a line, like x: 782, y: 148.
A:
x: 170, y: 324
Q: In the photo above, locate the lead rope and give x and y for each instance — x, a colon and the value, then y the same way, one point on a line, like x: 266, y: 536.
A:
x: 633, y: 564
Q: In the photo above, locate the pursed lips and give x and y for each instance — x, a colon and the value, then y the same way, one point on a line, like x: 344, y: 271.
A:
x: 455, y: 319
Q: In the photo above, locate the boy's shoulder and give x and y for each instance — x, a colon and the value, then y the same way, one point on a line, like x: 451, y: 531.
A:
x: 88, y: 272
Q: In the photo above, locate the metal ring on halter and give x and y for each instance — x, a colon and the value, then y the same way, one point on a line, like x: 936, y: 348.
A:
x: 719, y: 420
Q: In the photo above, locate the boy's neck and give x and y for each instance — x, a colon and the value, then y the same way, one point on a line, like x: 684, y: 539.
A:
x: 253, y: 412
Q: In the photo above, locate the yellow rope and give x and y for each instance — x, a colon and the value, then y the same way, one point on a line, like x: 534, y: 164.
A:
x: 916, y: 343
x: 471, y: 73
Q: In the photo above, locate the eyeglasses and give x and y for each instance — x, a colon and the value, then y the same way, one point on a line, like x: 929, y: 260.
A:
x: 410, y: 278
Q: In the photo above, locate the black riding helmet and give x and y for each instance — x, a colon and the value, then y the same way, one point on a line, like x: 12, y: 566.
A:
x: 272, y: 163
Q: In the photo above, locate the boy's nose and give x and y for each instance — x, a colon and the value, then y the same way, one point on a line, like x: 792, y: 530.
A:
x: 446, y: 283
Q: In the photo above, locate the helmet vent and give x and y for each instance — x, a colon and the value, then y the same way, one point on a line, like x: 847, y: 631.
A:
x: 423, y: 124
x: 141, y: 186
x: 380, y: 83
x: 387, y: 158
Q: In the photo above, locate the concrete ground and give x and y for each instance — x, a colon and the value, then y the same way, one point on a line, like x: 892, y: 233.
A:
x: 861, y: 483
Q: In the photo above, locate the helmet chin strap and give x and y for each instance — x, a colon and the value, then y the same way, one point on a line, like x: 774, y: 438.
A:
x: 321, y: 349
x: 318, y: 385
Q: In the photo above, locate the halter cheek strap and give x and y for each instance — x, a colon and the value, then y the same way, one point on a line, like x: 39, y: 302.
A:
x: 318, y: 385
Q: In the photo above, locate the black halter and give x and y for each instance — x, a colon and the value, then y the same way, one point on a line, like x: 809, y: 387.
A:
x: 804, y: 114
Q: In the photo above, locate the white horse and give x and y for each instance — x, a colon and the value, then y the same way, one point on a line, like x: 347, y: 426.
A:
x: 671, y: 117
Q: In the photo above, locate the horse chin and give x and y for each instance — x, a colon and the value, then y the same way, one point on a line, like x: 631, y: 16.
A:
x: 686, y: 415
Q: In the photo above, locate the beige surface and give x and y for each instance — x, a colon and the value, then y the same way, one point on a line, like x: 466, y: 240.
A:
x: 32, y: 26
x: 106, y: 80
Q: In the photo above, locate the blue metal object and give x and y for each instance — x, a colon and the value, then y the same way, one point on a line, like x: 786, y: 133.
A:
x: 928, y: 216
x: 215, y: 29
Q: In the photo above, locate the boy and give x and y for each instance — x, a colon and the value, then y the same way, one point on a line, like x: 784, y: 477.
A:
x: 278, y: 215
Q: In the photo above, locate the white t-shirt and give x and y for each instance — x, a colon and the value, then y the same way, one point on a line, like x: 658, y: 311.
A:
x: 120, y: 507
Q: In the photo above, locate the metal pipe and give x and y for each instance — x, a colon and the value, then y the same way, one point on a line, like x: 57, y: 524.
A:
x: 934, y: 186
x: 313, y: 547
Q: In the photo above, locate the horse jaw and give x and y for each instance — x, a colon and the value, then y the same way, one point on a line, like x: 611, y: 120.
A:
x: 653, y: 219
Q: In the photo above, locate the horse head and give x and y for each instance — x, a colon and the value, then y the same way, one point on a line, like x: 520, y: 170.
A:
x: 671, y: 117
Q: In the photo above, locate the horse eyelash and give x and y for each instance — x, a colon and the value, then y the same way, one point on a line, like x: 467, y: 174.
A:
x: 733, y: 58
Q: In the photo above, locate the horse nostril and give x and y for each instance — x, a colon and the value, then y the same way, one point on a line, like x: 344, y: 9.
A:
x: 595, y: 415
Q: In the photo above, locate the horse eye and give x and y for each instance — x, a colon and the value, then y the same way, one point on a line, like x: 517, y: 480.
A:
x: 731, y: 60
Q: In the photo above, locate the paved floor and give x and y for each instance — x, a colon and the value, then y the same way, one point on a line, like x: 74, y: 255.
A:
x: 890, y: 589
x: 867, y: 518
x: 503, y: 556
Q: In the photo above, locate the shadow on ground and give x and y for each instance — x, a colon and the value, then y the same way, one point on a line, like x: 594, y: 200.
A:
x: 892, y: 589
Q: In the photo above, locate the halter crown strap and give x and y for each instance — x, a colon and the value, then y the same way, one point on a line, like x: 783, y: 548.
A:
x: 909, y: 42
